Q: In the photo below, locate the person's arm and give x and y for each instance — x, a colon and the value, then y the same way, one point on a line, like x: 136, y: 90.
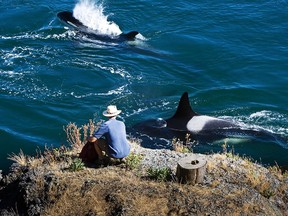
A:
x: 99, y: 133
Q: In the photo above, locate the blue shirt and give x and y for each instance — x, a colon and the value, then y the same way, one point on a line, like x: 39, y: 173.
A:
x: 114, y: 132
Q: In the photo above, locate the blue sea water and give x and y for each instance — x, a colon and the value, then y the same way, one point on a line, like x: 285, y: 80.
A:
x: 230, y: 56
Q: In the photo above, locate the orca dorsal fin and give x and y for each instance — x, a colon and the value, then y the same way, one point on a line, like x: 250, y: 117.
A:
x: 184, y: 109
x: 131, y: 35
x: 183, y: 114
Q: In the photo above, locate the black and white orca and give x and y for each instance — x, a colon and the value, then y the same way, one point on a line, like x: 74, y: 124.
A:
x: 185, y: 119
x: 212, y: 129
x: 68, y: 18
x: 202, y: 129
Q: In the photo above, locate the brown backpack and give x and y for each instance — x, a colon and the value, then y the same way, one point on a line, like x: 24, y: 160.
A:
x: 88, y: 153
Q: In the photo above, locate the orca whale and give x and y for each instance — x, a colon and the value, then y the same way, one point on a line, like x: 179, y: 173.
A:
x: 67, y: 18
x: 202, y: 128
x: 212, y: 129
x: 186, y: 119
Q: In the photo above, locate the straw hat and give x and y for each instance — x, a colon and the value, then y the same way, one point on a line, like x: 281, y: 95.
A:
x: 111, y: 111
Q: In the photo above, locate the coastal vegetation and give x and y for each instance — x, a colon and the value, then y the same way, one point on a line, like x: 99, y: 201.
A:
x: 57, y: 182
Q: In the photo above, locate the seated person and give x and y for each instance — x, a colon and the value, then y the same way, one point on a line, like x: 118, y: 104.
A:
x: 111, y: 136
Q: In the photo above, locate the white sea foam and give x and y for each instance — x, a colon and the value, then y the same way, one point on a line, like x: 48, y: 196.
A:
x: 10, y: 74
x: 111, y: 69
x: 270, y: 121
x: 39, y: 35
x: 16, y: 53
x: 92, y: 15
x: 265, y: 115
x: 143, y: 107
x: 117, y: 91
x: 25, y: 54
x: 260, y: 114
x: 119, y: 71
x: 137, y: 111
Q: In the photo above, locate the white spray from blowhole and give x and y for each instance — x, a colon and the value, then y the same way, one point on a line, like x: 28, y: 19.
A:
x: 91, y: 14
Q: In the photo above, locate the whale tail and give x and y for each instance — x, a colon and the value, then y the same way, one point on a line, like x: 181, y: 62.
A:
x: 182, y: 115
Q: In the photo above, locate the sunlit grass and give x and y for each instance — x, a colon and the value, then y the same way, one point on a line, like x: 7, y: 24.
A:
x: 21, y: 159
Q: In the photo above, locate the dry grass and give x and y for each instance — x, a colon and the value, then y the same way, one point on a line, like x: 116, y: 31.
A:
x: 77, y: 136
x: 243, y: 171
x: 88, y: 193
x: 182, y: 146
x: 20, y: 158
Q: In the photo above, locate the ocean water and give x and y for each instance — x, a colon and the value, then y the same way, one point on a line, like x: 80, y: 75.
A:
x: 230, y: 56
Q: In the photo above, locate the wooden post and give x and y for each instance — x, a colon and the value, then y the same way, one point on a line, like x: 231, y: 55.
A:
x: 191, y: 170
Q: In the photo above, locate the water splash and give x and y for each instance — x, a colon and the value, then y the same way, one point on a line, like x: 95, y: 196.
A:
x: 91, y: 14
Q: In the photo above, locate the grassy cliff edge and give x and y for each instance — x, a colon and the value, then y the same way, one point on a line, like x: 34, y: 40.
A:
x: 55, y: 182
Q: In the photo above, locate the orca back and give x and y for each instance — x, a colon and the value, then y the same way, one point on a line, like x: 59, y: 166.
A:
x: 129, y: 36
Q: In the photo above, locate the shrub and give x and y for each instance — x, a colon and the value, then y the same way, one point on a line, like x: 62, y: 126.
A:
x: 76, y: 165
x: 160, y: 174
x: 133, y: 160
x: 268, y: 192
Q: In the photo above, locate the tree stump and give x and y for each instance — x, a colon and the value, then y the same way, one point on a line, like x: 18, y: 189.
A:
x: 191, y: 170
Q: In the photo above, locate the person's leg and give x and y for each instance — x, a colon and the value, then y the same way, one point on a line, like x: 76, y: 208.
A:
x: 100, y: 146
